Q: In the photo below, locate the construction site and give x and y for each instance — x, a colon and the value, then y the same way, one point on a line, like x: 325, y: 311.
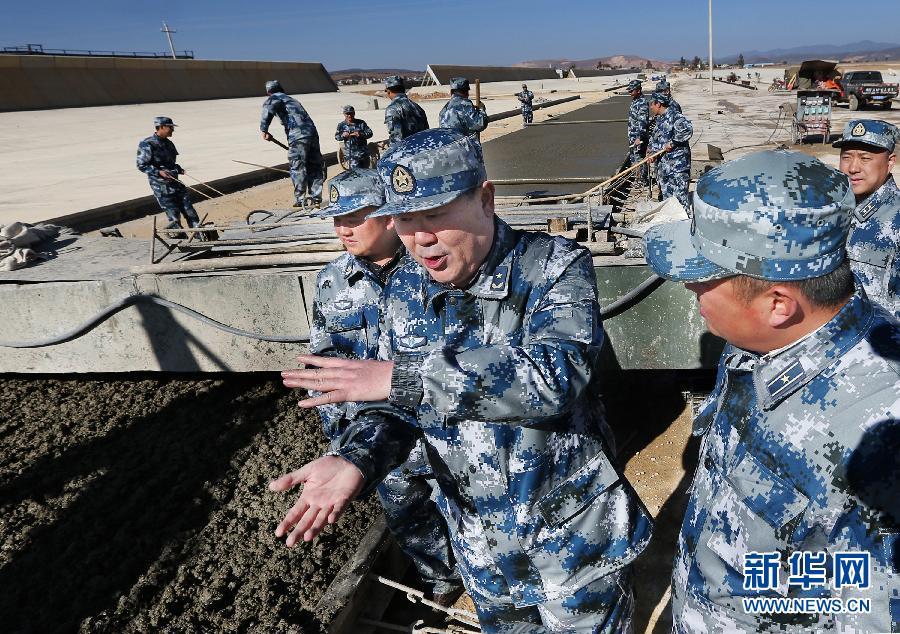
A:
x: 140, y: 365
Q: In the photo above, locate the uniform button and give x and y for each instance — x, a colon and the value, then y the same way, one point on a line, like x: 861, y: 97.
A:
x: 472, y: 468
x: 452, y: 301
x: 492, y: 542
x: 407, y: 471
x: 708, y: 462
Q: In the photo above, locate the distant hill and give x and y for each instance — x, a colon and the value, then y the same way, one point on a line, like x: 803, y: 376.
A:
x: 865, y: 51
x: 614, y: 61
x: 379, y: 73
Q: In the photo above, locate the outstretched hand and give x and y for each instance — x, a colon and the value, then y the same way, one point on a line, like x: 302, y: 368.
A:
x: 341, y: 380
x: 329, y: 484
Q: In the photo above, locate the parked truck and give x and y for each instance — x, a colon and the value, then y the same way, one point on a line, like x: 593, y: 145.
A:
x: 861, y: 88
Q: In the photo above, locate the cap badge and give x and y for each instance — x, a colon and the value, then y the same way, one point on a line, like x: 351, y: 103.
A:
x: 858, y: 130
x: 334, y: 194
x: 402, y: 180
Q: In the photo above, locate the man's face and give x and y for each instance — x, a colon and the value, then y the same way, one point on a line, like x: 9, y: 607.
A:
x: 372, y: 239
x: 165, y: 131
x: 635, y: 93
x: 866, y: 166
x: 655, y: 109
x: 451, y: 241
x: 727, y: 315
x: 348, y: 117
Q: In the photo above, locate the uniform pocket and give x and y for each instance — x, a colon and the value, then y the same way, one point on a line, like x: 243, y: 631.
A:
x: 577, y: 491
x: 342, y: 321
x: 752, y: 512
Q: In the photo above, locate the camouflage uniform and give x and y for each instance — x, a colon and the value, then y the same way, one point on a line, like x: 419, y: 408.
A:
x: 638, y: 128
x: 673, y: 169
x: 355, y: 147
x: 526, y: 97
x: 459, y: 113
x: 345, y: 324
x: 307, y: 166
x: 799, y: 445
x: 155, y: 153
x: 500, y: 380
x: 403, y: 117
x: 874, y: 242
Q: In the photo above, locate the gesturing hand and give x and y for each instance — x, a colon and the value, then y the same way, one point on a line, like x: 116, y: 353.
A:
x: 341, y: 380
x: 329, y: 484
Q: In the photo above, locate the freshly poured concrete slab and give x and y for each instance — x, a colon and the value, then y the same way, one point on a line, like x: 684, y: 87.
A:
x: 58, y: 162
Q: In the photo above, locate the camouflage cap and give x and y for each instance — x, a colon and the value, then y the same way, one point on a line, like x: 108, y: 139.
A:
x: 459, y: 83
x: 633, y: 85
x: 274, y: 85
x: 348, y: 110
x: 352, y: 190
x: 394, y: 82
x: 869, y: 132
x: 661, y: 98
x: 429, y: 169
x: 158, y: 121
x: 776, y: 215
x: 663, y: 84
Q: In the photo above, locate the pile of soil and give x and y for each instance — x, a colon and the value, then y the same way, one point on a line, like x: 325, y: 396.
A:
x: 142, y: 505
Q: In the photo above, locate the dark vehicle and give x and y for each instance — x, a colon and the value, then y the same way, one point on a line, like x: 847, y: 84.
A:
x: 861, y: 88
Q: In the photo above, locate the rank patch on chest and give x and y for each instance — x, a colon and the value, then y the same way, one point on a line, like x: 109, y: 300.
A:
x: 786, y: 379
x: 402, y: 181
x: 858, y: 130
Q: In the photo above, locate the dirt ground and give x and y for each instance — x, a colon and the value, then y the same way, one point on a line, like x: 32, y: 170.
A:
x: 141, y: 504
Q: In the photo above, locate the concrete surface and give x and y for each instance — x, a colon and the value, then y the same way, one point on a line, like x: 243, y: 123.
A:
x: 59, y: 162
x: 36, y: 82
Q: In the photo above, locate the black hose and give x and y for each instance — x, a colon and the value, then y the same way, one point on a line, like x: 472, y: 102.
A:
x: 632, y: 297
x: 111, y: 310
x: 619, y: 306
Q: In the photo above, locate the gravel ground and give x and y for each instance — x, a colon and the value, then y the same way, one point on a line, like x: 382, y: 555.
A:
x: 142, y: 505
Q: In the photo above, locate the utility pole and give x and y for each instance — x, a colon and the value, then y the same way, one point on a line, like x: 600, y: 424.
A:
x: 710, y: 50
x: 169, y: 32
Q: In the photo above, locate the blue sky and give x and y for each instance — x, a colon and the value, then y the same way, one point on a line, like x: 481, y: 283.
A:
x: 413, y: 33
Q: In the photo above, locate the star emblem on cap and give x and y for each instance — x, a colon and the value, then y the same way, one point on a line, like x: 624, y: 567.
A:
x: 858, y: 130
x: 334, y: 194
x: 402, y: 180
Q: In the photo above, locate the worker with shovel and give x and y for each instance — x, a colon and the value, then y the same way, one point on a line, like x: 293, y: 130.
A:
x: 156, y: 157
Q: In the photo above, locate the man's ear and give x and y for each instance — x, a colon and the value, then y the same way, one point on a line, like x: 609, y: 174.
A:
x: 487, y: 198
x: 783, y: 306
x: 389, y: 225
x: 891, y: 160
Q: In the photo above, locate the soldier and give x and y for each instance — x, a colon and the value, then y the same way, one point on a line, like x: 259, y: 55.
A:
x: 638, y: 127
x: 672, y: 133
x: 156, y: 158
x: 663, y: 87
x: 459, y: 113
x: 494, y: 336
x: 403, y: 116
x: 798, y: 471
x: 867, y: 158
x: 354, y: 132
x: 525, y: 99
x: 306, y: 164
x: 345, y: 324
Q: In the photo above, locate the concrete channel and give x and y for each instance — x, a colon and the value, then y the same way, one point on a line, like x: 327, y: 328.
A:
x: 646, y: 352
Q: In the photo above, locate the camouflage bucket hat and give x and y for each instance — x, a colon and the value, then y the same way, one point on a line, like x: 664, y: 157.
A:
x: 775, y: 215
x: 159, y: 121
x: 429, y: 169
x: 663, y: 85
x: 352, y: 190
x: 634, y: 84
x: 348, y: 110
x: 870, y: 132
x: 274, y: 86
x: 394, y: 82
x: 661, y: 98
x: 459, y: 83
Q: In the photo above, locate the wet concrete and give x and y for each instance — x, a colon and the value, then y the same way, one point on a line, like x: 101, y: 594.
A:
x: 547, y: 151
